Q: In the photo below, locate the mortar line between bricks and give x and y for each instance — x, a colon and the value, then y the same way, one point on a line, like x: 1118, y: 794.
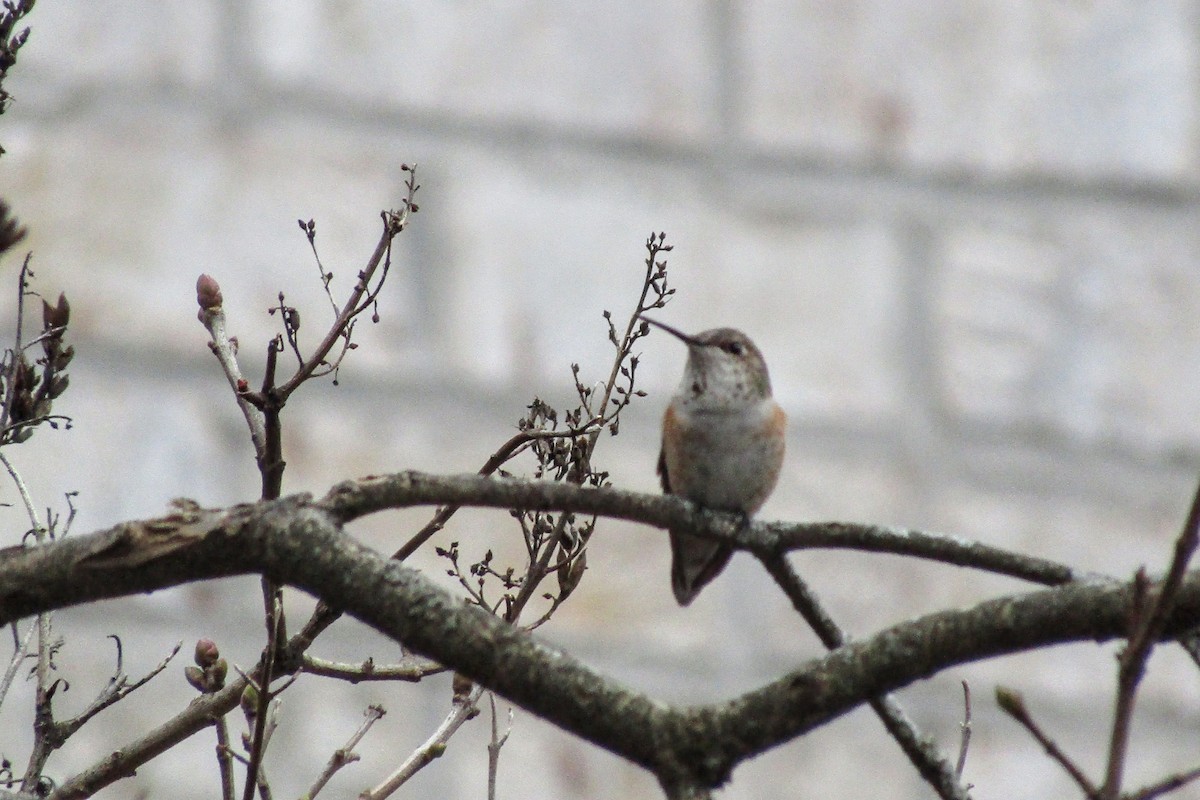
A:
x: 747, y: 158
x: 1036, y: 463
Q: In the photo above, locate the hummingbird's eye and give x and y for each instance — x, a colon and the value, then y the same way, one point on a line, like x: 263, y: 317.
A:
x: 733, y: 348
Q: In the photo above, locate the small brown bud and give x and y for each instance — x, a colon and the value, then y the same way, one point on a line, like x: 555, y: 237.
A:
x: 216, y: 675
x: 195, y: 676
x: 208, y: 292
x: 1010, y: 701
x: 206, y: 652
x: 249, y: 701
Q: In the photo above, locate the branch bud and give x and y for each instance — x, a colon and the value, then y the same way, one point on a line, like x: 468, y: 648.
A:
x: 195, y: 676
x: 216, y: 675
x: 208, y: 292
x: 206, y: 653
x: 249, y: 701
x: 1010, y: 701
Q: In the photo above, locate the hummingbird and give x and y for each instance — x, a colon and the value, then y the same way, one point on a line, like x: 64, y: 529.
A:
x: 722, y: 445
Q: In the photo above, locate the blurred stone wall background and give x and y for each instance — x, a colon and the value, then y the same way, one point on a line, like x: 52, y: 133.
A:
x: 964, y: 234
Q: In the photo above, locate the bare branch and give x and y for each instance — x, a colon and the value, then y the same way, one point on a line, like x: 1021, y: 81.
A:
x: 353, y: 499
x: 262, y: 715
x: 1014, y: 705
x: 20, y: 652
x: 118, y: 688
x: 465, y: 708
x: 920, y: 751
x: 393, y: 223
x: 1168, y: 784
x: 497, y: 742
x: 965, y: 742
x: 411, y: 669
x: 224, y: 757
x: 123, y: 762
x: 310, y: 231
x: 345, y: 754
x: 1149, y: 619
x: 299, y: 542
x: 603, y: 414
x: 43, y: 724
x: 212, y: 316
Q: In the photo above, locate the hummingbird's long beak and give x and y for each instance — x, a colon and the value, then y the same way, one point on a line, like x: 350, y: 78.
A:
x: 689, y: 340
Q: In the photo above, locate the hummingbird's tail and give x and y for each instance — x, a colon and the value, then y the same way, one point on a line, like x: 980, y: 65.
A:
x: 695, y: 562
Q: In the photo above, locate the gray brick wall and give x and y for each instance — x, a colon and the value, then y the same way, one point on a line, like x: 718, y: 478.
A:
x: 962, y: 233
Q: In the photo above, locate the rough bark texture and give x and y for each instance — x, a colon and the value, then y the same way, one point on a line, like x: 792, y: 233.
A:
x: 300, y: 542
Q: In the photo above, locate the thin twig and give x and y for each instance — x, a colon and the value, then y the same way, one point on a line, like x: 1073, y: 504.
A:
x: 1147, y: 627
x: 394, y: 223
x: 1014, y: 705
x: 49, y: 333
x: 197, y: 716
x: 51, y: 734
x: 224, y: 757
x: 20, y: 653
x: 38, y: 528
x: 966, y: 732
x: 225, y: 349
x: 598, y: 420
x: 496, y: 460
x: 310, y: 231
x: 345, y: 754
x: 43, y: 718
x: 264, y: 786
x: 495, y: 744
x: 1168, y: 784
x: 117, y: 689
x: 411, y: 669
x: 537, y: 572
x: 432, y: 748
x: 936, y: 771
x: 7, y: 432
x: 262, y: 712
x: 260, y: 776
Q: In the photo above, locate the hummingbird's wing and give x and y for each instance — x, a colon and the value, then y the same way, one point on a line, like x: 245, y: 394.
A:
x: 694, y: 561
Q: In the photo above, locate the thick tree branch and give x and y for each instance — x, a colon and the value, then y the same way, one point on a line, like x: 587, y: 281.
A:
x: 300, y: 542
x: 353, y: 499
